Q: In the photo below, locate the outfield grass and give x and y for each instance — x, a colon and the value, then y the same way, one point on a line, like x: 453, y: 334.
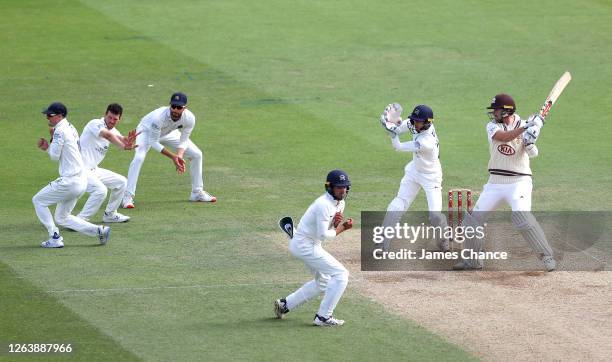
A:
x: 283, y: 92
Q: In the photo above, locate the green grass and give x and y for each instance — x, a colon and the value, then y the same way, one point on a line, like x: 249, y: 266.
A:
x: 283, y: 92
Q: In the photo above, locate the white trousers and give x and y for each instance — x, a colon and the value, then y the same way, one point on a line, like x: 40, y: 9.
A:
x: 172, y: 139
x: 99, y: 181
x: 330, y: 276
x: 64, y: 191
x: 517, y: 195
x: 414, y: 181
x: 410, y: 185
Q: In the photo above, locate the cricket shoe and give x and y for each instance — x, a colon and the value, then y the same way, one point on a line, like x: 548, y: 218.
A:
x: 127, y: 202
x: 56, y: 241
x: 444, y: 244
x: 467, y: 265
x: 114, y: 217
x: 549, y: 263
x: 103, y: 234
x: 280, y: 308
x: 202, y: 196
x: 326, y: 322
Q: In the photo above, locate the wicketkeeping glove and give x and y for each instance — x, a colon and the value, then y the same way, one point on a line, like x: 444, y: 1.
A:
x: 391, y: 118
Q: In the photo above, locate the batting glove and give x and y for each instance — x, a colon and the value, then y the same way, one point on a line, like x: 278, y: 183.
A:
x: 534, y: 120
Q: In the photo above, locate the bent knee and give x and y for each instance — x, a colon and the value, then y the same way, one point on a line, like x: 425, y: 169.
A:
x: 194, y: 154
x: 342, y: 275
x: 398, y: 204
x: 100, y: 192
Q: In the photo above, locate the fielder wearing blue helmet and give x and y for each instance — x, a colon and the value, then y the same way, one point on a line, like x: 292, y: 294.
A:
x: 422, y: 113
x: 337, y: 178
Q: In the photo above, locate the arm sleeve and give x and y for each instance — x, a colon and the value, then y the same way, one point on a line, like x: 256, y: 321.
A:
x: 55, y: 148
x: 186, y: 132
x: 154, y: 134
x: 323, y: 221
x: 410, y: 146
x: 492, y: 128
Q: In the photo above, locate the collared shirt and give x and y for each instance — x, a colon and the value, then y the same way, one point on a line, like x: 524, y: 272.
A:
x: 159, y: 123
x: 94, y: 146
x: 317, y: 222
x: 509, y: 161
x: 65, y: 148
x: 425, y: 151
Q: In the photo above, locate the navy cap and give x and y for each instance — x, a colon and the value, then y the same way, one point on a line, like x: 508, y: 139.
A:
x: 178, y: 99
x: 422, y: 113
x: 55, y: 108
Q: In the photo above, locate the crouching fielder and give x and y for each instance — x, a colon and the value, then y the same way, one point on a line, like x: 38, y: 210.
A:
x: 511, y: 144
x: 322, y: 221
x: 424, y: 171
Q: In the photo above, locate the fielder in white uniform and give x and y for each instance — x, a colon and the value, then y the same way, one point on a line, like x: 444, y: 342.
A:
x: 95, y: 139
x: 423, y: 172
x: 171, y: 127
x: 511, y: 145
x: 322, y: 221
x: 71, y: 184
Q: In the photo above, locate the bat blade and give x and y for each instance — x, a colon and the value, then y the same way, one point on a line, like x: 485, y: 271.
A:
x: 555, y: 93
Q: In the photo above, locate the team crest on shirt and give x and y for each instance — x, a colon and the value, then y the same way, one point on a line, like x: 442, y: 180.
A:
x: 506, y: 150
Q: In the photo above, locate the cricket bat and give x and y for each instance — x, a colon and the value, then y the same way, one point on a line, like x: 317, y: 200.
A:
x: 555, y: 93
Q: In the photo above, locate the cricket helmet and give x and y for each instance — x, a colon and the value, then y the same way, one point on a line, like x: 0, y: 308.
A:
x: 422, y: 113
x: 337, y: 178
x: 504, y: 102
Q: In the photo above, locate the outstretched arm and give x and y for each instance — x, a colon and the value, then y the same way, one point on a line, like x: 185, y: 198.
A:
x: 410, y: 146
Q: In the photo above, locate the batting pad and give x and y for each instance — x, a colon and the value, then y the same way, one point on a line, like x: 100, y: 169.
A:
x: 532, y: 232
x: 475, y: 244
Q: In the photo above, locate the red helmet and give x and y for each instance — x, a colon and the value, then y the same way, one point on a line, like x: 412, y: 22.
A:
x: 504, y: 102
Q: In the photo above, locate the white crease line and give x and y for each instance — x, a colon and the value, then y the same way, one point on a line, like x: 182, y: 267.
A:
x: 237, y: 285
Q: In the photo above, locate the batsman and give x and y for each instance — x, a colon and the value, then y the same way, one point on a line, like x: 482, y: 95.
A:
x: 511, y: 145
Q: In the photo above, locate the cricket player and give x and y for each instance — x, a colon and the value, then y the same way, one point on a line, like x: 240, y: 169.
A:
x: 511, y: 145
x: 165, y: 127
x: 71, y: 184
x: 423, y: 172
x: 322, y: 222
x: 95, y: 139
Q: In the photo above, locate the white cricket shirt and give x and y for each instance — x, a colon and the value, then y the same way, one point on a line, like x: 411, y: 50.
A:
x: 158, y: 123
x: 317, y: 222
x: 94, y: 146
x: 65, y: 148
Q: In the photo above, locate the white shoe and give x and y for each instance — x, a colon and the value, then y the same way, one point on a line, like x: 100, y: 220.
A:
x: 127, y: 202
x: 549, y: 263
x: 202, y: 196
x: 103, y: 234
x: 114, y: 217
x: 280, y: 308
x: 327, y: 322
x: 54, y: 242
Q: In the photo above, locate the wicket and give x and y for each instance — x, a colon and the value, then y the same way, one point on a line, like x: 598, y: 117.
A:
x: 459, y: 192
